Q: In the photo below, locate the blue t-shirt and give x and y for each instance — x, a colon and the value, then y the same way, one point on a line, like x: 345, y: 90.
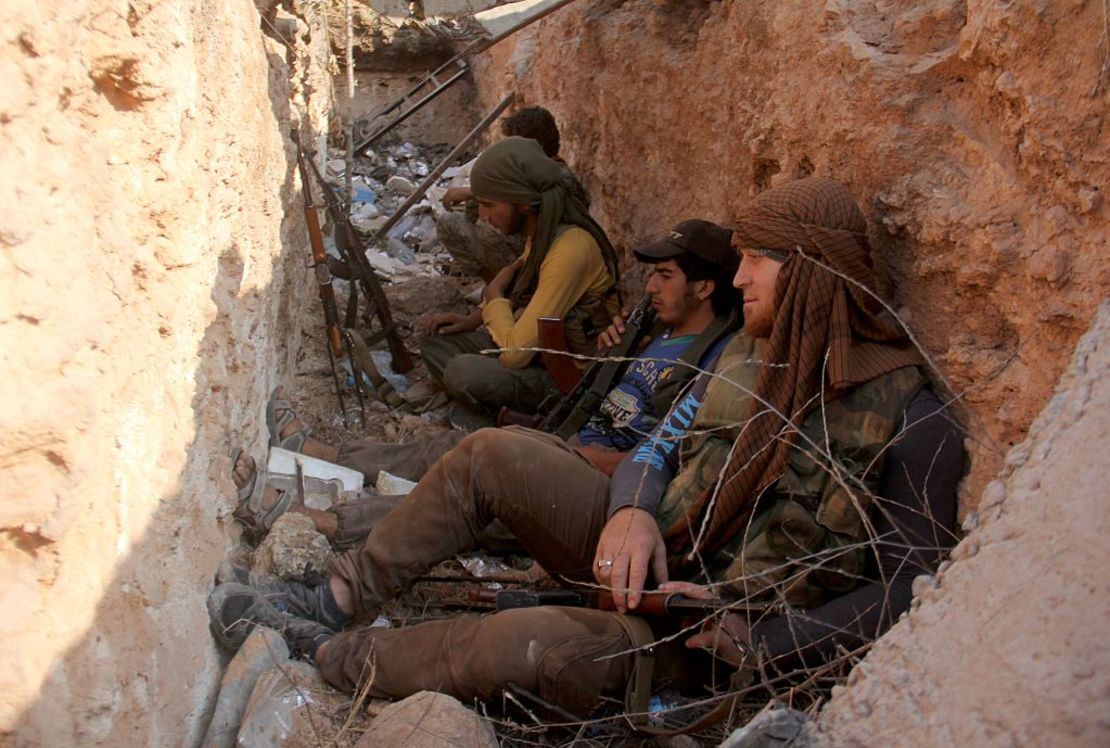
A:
x: 627, y: 413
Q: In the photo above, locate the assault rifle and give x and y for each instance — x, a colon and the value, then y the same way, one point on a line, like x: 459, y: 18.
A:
x: 654, y: 604
x: 336, y: 340
x: 580, y: 404
x: 357, y: 269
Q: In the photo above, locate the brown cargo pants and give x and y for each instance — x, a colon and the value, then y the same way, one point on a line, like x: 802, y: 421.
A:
x: 556, y: 503
x: 411, y: 460
x: 408, y: 460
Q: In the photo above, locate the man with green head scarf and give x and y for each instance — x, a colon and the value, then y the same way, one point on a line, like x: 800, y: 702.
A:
x: 568, y: 271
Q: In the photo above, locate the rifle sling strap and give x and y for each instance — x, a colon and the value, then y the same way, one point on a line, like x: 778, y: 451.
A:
x: 638, y: 693
x: 667, y: 393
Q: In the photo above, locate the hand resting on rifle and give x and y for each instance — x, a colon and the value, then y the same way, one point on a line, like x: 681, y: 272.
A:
x: 727, y: 638
x: 611, y: 335
x: 631, y: 541
x: 449, y: 323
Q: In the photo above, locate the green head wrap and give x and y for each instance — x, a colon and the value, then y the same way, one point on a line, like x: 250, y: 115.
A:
x: 516, y: 170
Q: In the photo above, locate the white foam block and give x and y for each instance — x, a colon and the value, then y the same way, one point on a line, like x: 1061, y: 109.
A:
x: 284, y: 462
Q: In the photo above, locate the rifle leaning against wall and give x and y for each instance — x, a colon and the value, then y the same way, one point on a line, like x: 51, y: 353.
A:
x: 357, y: 269
x: 336, y: 340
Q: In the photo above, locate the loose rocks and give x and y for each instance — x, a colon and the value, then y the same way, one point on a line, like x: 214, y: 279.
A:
x: 428, y: 720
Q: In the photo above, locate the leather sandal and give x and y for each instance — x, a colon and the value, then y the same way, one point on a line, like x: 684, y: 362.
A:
x: 251, y: 511
x: 277, y: 403
x: 244, y: 492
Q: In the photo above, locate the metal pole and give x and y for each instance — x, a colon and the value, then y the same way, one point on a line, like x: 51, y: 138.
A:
x: 450, y: 158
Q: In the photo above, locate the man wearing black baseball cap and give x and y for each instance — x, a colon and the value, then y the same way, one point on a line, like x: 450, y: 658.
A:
x: 695, y: 305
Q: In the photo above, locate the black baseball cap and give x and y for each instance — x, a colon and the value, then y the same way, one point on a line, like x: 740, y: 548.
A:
x: 703, y: 239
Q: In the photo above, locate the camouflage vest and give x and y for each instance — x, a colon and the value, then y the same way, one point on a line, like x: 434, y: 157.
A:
x: 705, y: 447
x: 806, y: 544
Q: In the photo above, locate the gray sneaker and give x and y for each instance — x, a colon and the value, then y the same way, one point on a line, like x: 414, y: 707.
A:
x: 235, y: 609
x: 303, y: 596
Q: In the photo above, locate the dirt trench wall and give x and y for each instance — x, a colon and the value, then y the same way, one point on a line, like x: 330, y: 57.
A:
x: 148, y: 268
x: 1006, y: 647
x: 973, y: 135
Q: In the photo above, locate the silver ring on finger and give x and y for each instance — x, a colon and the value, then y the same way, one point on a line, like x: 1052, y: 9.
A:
x: 603, y: 563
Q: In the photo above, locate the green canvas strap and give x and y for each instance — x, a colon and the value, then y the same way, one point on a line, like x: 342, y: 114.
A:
x: 638, y: 692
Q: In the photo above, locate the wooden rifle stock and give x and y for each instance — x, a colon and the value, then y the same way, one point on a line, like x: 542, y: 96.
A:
x: 583, y: 401
x: 652, y: 604
x: 350, y: 246
x: 335, y: 340
x: 553, y: 339
x: 323, y: 276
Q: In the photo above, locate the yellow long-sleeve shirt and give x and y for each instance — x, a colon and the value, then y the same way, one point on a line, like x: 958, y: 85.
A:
x: 573, y: 267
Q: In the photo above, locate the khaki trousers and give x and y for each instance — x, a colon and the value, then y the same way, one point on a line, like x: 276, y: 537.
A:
x: 569, y: 656
x: 411, y: 460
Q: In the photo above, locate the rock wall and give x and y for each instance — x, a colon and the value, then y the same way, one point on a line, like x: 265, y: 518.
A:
x: 150, y: 261
x: 973, y: 133
x: 1005, y: 646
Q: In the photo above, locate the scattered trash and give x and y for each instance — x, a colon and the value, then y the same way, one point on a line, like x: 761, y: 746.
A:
x: 383, y: 362
x: 398, y: 250
x: 479, y: 566
x: 367, y: 221
x: 262, y: 650
x: 362, y: 192
x: 400, y: 185
x: 277, y: 706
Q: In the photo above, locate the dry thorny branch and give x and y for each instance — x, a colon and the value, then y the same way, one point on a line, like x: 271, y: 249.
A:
x: 803, y: 686
x: 807, y: 686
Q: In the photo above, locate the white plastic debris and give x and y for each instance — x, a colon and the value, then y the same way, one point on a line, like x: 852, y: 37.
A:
x: 484, y: 567
x: 398, y: 250
x: 423, y: 233
x: 283, y: 462
x: 400, y: 185
x: 364, y: 212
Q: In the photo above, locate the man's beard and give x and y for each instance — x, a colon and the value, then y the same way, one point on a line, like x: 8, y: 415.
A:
x: 516, y: 223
